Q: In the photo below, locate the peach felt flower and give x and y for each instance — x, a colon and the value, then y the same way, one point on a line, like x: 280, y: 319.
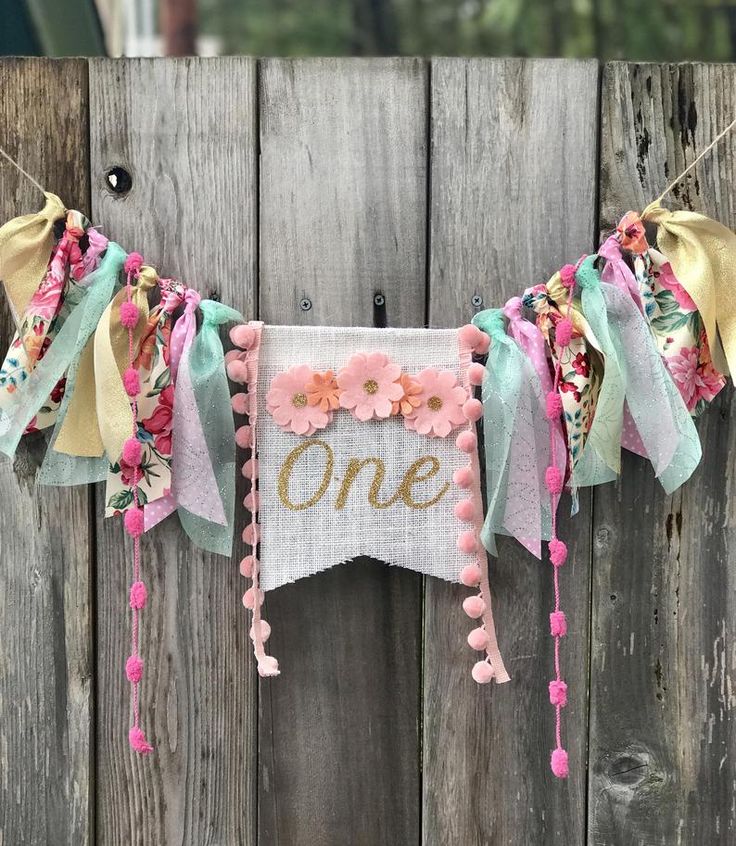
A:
x: 323, y: 392
x: 411, y: 398
x: 369, y: 385
x: 441, y: 409
x: 287, y: 402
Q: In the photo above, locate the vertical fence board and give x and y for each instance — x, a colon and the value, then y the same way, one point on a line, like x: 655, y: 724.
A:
x: 513, y: 198
x: 185, y: 130
x: 46, y: 646
x: 664, y: 592
x: 343, y: 216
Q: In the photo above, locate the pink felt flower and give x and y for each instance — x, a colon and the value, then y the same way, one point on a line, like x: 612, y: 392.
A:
x: 288, y: 404
x: 668, y: 280
x: 441, y: 409
x: 369, y: 385
x: 693, y: 382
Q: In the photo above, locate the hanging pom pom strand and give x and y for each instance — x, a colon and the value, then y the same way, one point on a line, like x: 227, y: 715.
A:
x: 482, y: 672
x: 131, y: 382
x: 554, y: 405
x: 558, y: 624
x: 563, y: 332
x: 129, y: 314
x: 559, y: 763
x: 553, y: 480
x: 138, y: 595
x: 134, y: 522
x: 132, y: 452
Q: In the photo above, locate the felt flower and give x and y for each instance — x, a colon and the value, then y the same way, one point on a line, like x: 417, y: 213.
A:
x: 668, y: 280
x: 322, y: 391
x: 441, y: 407
x: 411, y: 398
x: 581, y: 364
x: 369, y: 385
x: 159, y: 423
x: 287, y: 402
x: 693, y: 381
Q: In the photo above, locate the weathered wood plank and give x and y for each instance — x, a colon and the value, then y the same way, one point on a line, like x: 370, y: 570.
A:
x: 46, y: 649
x: 343, y: 211
x: 513, y: 198
x: 185, y: 130
x: 662, y: 732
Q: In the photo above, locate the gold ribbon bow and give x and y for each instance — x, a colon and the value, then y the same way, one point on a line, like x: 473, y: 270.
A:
x: 98, y: 418
x: 26, y: 243
x: 702, y: 253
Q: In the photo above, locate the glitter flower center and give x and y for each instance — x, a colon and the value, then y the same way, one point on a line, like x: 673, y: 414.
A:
x: 434, y: 403
x: 299, y: 400
x: 371, y: 386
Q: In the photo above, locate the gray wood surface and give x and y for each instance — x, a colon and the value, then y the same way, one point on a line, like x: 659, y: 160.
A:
x: 185, y: 130
x: 662, y: 767
x: 343, y: 216
x: 46, y: 661
x: 512, y: 200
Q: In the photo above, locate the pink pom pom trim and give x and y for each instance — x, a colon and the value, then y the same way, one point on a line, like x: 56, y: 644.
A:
x: 469, y: 335
x: 134, y: 669
x: 483, y: 345
x: 131, y: 382
x: 482, y: 672
x: 560, y: 764
x: 466, y: 441
x: 473, y: 410
x: 246, y: 566
x: 470, y: 575
x: 268, y: 666
x: 134, y: 523
x: 467, y: 542
x: 554, y: 405
x: 132, y: 452
x: 558, y: 624
x: 563, y: 332
x: 138, y: 741
x: 567, y: 275
x: 252, y: 534
x: 243, y: 336
x: 249, y: 598
x: 478, y: 639
x: 463, y: 477
x: 240, y: 403
x: 553, y: 479
x: 237, y: 371
x: 264, y: 630
x: 129, y: 314
x: 250, y: 501
x: 244, y: 437
x: 474, y: 607
x: 138, y: 595
x: 465, y: 510
x: 476, y: 372
x: 557, y: 552
x: 558, y: 693
x: 133, y: 263
x: 250, y: 468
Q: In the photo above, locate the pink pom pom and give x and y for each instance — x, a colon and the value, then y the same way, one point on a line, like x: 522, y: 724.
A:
x: 466, y: 441
x: 482, y: 672
x: 558, y: 693
x: 133, y: 263
x: 483, y: 345
x: 246, y: 566
x: 240, y: 403
x: 250, y: 468
x: 132, y: 452
x: 467, y: 542
x: 268, y: 666
x: 131, y: 382
x: 473, y: 409
x: 557, y: 552
x: 469, y: 335
x: 554, y: 405
x: 129, y: 315
x: 138, y: 741
x: 465, y: 510
x: 250, y: 501
x: 559, y: 763
x: 567, y: 275
x: 237, y: 371
x: 474, y: 607
x: 134, y: 523
x: 138, y: 595
x: 244, y: 437
x: 470, y: 575
x: 553, y: 479
x: 558, y: 624
x: 476, y: 372
x: 134, y: 669
x: 243, y: 336
x: 252, y: 534
x: 463, y: 477
x: 249, y: 598
x: 563, y: 332
x: 478, y: 639
x: 264, y: 628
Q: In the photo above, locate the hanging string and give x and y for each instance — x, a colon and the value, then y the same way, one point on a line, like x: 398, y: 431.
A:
x: 687, y: 170
x: 25, y: 173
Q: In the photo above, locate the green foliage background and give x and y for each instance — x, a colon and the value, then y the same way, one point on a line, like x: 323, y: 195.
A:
x: 658, y: 30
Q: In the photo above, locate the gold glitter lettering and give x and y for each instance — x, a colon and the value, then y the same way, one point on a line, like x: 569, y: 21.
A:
x: 288, y: 467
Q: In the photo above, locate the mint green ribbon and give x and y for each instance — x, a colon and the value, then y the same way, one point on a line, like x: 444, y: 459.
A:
x: 63, y: 357
x: 212, y: 395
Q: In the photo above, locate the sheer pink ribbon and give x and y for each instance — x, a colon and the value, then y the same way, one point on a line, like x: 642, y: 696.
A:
x: 193, y: 483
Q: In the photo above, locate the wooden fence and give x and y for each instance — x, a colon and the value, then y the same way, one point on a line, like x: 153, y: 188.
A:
x: 298, y: 191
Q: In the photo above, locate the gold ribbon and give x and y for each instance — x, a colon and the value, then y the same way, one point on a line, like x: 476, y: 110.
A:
x: 26, y: 243
x: 98, y: 419
x: 702, y: 253
x: 561, y: 296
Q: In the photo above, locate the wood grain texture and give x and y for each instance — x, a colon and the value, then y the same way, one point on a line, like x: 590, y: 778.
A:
x: 513, y: 198
x: 343, y: 216
x: 664, y: 591
x: 46, y: 653
x: 185, y: 130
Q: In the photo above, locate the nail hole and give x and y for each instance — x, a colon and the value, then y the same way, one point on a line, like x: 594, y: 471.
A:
x: 118, y: 180
x: 379, y: 300
x: 305, y: 304
x: 476, y: 300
